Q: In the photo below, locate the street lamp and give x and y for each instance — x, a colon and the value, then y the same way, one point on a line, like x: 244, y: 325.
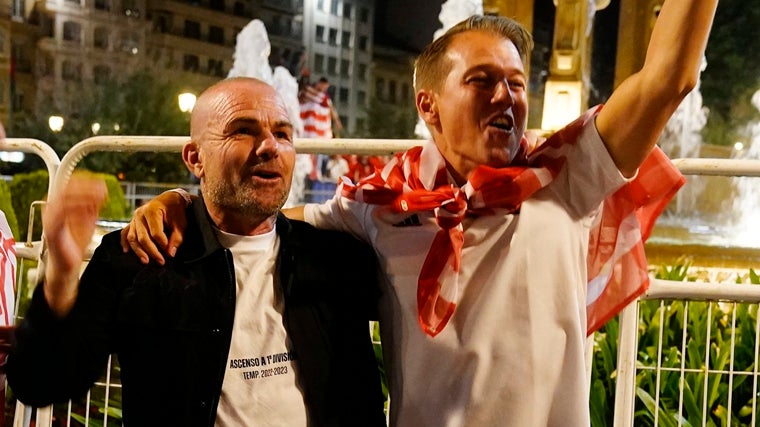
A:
x: 55, y: 123
x: 95, y: 128
x: 186, y: 102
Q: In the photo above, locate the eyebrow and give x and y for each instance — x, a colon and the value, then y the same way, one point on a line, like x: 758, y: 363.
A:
x: 256, y: 122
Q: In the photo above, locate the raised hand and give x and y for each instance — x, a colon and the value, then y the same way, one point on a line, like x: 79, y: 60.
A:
x: 68, y: 223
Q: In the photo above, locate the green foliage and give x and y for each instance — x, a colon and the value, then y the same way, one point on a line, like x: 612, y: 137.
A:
x: 116, y: 206
x: 690, y: 337
x: 7, y: 207
x: 392, y: 121
x: 27, y: 188
x: 141, y: 104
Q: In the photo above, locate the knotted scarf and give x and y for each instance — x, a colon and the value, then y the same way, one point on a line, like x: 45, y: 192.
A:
x: 417, y: 180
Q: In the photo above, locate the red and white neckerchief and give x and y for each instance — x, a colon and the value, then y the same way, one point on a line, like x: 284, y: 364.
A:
x: 617, y: 269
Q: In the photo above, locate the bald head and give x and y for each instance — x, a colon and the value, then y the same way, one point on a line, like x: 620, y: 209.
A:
x: 219, y: 98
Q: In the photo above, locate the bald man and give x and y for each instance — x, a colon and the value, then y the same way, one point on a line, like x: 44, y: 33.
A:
x: 248, y: 324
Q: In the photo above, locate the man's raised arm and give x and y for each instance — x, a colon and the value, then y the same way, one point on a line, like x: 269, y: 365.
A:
x: 637, y: 112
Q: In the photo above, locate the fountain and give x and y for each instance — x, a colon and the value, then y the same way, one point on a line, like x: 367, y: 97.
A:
x: 714, y: 219
x: 251, y: 59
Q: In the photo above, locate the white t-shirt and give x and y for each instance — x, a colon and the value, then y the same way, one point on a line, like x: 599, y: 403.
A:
x: 260, y: 386
x: 513, y: 352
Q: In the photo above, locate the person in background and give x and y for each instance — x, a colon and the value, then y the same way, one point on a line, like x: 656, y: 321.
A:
x: 502, y: 259
x: 249, y: 324
x: 320, y: 120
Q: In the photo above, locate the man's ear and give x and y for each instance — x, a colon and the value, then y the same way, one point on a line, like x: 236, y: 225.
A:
x: 427, y: 106
x: 191, y: 155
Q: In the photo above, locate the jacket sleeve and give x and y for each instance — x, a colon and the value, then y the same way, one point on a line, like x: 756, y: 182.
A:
x: 55, y: 359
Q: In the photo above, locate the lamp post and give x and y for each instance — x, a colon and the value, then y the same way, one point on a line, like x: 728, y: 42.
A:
x: 55, y: 123
x: 186, y: 101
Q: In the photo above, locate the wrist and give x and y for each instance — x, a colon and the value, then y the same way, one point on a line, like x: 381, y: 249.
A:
x: 184, y: 194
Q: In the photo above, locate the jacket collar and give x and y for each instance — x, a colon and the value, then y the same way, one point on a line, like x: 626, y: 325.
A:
x: 200, y: 237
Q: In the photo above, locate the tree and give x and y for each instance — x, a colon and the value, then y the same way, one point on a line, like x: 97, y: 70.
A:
x: 142, y: 104
x: 390, y: 121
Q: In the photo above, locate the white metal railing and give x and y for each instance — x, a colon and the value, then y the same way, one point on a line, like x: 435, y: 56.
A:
x: 626, y: 368
x: 711, y: 291
x: 31, y: 250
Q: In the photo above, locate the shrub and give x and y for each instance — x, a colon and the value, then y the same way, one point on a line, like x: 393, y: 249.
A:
x: 7, y: 207
x: 26, y: 188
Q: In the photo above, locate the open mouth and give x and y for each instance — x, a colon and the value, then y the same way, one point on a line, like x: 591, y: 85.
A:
x: 265, y: 174
x: 502, y: 123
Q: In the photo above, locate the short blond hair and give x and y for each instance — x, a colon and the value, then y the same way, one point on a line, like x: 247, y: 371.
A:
x: 432, y: 67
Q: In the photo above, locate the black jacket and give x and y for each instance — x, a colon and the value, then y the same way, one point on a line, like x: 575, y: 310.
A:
x: 171, y: 328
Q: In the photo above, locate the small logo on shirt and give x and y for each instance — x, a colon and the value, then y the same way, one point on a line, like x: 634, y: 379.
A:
x: 411, y: 221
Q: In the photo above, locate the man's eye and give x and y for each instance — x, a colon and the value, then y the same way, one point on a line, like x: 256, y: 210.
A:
x: 283, y: 135
x: 516, y: 84
x: 244, y: 131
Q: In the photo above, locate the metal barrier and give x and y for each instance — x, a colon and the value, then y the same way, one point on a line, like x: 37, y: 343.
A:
x: 627, y: 350
x: 31, y: 250
x: 625, y: 392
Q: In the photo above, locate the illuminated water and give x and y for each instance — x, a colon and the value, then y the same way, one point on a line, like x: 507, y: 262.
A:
x: 715, y: 219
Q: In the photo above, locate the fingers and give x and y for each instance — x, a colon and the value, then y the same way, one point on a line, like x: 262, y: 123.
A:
x: 175, y: 240
x: 141, y: 242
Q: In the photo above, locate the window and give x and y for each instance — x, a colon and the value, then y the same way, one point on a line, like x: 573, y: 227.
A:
x: 333, y: 37
x: 215, y: 68
x: 345, y: 39
x: 320, y: 34
x: 103, y: 5
x: 101, y: 74
x: 332, y: 65
x: 192, y: 30
x: 380, y: 88
x: 363, y: 71
x: 343, y: 94
x: 363, y: 43
x: 71, y: 71
x: 190, y: 63
x: 217, y: 5
x: 361, y: 98
x: 405, y: 92
x: 319, y: 63
x: 345, y: 67
x: 347, y: 10
x: 72, y: 31
x: 321, y: 5
x: 392, y: 90
x: 130, y: 8
x: 216, y: 35
x: 130, y: 43
x: 275, y: 27
x: 101, y: 38
x: 361, y: 124
x: 334, y: 7
x: 364, y: 15
x: 238, y: 10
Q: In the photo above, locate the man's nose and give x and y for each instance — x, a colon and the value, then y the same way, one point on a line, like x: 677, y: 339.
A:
x: 502, y: 93
x: 268, y: 146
